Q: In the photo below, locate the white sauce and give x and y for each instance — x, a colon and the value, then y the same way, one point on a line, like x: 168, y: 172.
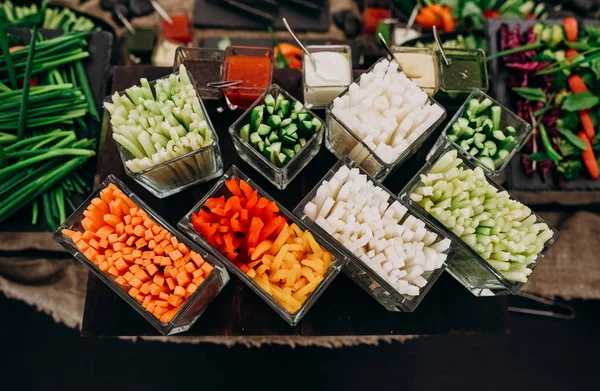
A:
x: 331, y: 76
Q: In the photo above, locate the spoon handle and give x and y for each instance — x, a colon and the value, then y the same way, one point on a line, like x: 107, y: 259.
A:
x: 289, y: 29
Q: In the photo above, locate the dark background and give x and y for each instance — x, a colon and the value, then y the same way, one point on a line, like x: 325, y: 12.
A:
x: 538, y: 354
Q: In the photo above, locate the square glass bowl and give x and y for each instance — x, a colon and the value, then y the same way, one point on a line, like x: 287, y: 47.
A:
x: 220, y: 189
x: 416, y: 62
x: 206, y: 66
x: 465, y: 64
x: 468, y: 267
x: 195, y: 304
x: 177, y: 174
x: 342, y: 141
x: 318, y: 97
x: 278, y: 176
x: 252, y: 65
x: 507, y: 118
x: 361, y: 273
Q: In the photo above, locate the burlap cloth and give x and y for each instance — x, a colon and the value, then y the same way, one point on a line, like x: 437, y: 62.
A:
x: 35, y: 270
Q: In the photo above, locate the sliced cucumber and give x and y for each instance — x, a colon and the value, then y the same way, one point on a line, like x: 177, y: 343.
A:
x: 261, y: 146
x: 283, y: 158
x: 291, y: 129
x: 245, y: 133
x: 491, y: 146
x: 285, y: 108
x: 499, y: 135
x: 255, y: 138
x: 305, y: 128
x: 263, y: 130
x: 496, y: 115
x: 304, y: 117
x: 275, y: 147
x: 269, y: 100
x: 487, y: 102
x: 486, y: 161
x: 294, y: 116
x: 302, y: 141
x: 256, y: 117
x: 288, y: 152
x: 288, y: 140
x: 297, y: 148
x: 273, y: 137
x: 270, y: 109
x: 280, y: 98
x: 267, y: 142
x: 285, y: 122
x: 298, y: 107
x: 509, y: 130
x: 274, y: 121
x: 479, y: 137
x: 316, y: 124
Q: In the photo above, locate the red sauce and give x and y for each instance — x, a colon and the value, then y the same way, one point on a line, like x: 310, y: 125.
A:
x: 179, y: 31
x: 372, y: 18
x: 255, y: 73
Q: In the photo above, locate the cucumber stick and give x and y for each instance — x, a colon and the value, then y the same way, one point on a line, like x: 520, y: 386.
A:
x: 279, y: 128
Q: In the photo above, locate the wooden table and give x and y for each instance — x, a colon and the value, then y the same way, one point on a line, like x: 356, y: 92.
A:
x: 343, y: 309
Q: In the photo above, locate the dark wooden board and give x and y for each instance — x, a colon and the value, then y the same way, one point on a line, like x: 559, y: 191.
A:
x: 344, y: 308
x: 208, y: 14
x: 516, y: 178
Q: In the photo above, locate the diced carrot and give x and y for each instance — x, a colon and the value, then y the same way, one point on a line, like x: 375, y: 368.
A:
x: 127, y: 276
x: 114, y: 271
x: 158, y: 279
x: 166, y: 261
x: 151, y: 269
x: 135, y: 282
x: 191, y: 288
x: 244, y: 215
x: 174, y: 272
x: 151, y: 243
x: 175, y: 255
x: 156, y: 230
x: 121, y: 265
x: 179, y: 290
x: 134, y: 268
x: 207, y: 268
x: 129, y: 229
x: 103, y: 243
x: 136, y: 221
x: 155, y: 289
x: 82, y: 245
x: 179, y: 263
x: 128, y: 258
x: 134, y: 292
x: 197, y: 258
x: 120, y: 228
x: 133, y: 211
x: 169, y: 315
x: 115, y: 210
x: 145, y: 289
x: 127, y: 219
x: 131, y: 240
x: 120, y: 280
x: 159, y: 250
x: 123, y: 238
x: 88, y: 224
x: 183, y: 278
x: 148, y: 234
x: 163, y: 296
x: 139, y: 230
x: 94, y: 243
x: 198, y: 281
x: 142, y: 275
x: 148, y: 254
x: 146, y: 262
x: 119, y: 246
x: 140, y: 243
x: 87, y: 235
x: 189, y: 267
x: 100, y: 204
x: 169, y: 248
x: 197, y: 273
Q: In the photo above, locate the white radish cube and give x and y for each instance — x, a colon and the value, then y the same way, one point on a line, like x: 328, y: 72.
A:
x: 327, y: 205
x: 310, y: 210
x: 419, y: 281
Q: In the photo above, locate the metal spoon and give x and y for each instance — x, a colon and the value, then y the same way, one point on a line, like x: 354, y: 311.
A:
x: 387, y: 48
x: 436, y: 36
x: 161, y: 11
x: 289, y: 29
x: 223, y: 84
x: 412, y: 18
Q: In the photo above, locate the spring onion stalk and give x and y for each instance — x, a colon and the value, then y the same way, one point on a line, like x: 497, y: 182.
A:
x: 501, y: 230
x: 155, y: 127
x: 40, y: 169
x: 6, y: 55
x: 53, y: 18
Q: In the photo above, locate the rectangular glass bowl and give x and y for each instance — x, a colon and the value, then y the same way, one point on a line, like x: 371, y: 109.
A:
x: 241, y: 97
x: 206, y: 66
x: 278, y: 176
x: 361, y: 273
x: 220, y: 189
x: 318, y: 97
x: 429, y: 88
x: 468, y: 267
x: 195, y: 304
x: 508, y: 118
x: 177, y: 174
x: 342, y: 141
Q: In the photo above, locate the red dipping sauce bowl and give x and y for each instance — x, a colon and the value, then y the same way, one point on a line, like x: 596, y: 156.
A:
x: 254, y: 67
x: 179, y: 31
